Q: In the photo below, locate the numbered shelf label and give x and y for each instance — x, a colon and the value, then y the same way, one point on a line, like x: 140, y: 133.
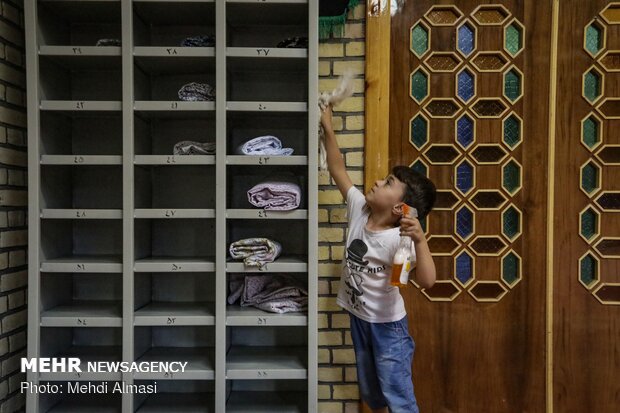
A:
x: 80, y: 213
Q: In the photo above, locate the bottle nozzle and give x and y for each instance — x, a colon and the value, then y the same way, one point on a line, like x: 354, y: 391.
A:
x: 409, y: 211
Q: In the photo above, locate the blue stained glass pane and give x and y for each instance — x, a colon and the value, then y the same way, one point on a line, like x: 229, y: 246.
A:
x: 466, y: 39
x: 466, y: 85
x: 464, y: 222
x: 464, y: 177
x: 463, y: 268
x: 465, y: 131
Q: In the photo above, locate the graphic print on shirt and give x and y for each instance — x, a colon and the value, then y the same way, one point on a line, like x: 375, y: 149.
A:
x: 356, y: 267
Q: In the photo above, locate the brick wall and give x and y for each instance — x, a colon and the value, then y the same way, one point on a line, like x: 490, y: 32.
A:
x: 13, y: 204
x: 338, y: 390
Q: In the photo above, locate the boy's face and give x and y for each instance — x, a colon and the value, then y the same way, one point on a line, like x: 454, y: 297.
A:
x: 386, y: 193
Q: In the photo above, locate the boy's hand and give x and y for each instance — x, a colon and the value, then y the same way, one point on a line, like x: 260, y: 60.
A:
x: 326, y: 118
x: 411, y: 227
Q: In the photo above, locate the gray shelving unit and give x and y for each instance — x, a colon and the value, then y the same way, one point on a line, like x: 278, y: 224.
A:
x: 128, y: 243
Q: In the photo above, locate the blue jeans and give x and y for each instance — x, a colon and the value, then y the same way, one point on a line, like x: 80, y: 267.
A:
x: 384, y: 353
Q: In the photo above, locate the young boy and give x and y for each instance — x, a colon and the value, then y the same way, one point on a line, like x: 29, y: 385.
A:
x: 383, y: 347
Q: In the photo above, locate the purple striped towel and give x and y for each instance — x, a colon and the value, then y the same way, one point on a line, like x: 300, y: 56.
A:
x: 275, y: 195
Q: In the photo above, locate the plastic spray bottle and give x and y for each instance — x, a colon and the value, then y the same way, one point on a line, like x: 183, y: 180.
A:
x: 401, y: 263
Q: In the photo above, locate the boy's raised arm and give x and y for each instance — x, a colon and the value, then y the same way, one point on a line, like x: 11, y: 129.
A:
x: 335, y: 161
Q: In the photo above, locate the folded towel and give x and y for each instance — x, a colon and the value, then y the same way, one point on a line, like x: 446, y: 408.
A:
x: 264, y: 145
x: 273, y: 293
x: 275, y: 195
x: 255, y: 252
x: 194, y: 148
x: 294, y: 42
x: 199, y: 41
x: 108, y: 42
x: 196, y: 92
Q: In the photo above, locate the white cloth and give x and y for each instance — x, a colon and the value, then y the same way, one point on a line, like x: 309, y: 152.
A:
x: 336, y: 96
x: 365, y: 288
x: 264, y: 145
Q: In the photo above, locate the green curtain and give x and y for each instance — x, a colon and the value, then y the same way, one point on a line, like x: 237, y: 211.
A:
x: 333, y: 23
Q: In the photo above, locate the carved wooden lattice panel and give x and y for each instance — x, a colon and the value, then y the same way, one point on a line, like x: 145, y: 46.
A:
x: 483, y: 165
x: 601, y: 153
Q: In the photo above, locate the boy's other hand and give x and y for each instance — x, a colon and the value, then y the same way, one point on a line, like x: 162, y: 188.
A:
x: 411, y: 227
x: 326, y: 118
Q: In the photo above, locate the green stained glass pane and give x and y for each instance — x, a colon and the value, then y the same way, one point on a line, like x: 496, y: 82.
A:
x: 511, y: 222
x: 511, y: 177
x: 419, y: 40
x: 588, y: 223
x: 589, y: 178
x: 512, y: 131
x: 419, y: 166
x: 587, y: 270
x: 591, y: 85
x: 594, y: 39
x: 590, y: 132
x: 419, y: 86
x: 419, y: 131
x: 512, y: 85
x: 513, y: 42
x: 510, y: 268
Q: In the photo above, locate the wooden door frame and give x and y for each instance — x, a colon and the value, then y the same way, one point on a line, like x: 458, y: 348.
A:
x: 377, y: 138
x: 377, y: 100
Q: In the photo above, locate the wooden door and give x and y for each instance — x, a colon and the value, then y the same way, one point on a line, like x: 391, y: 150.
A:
x: 514, y: 111
x: 469, y: 107
x: 586, y: 276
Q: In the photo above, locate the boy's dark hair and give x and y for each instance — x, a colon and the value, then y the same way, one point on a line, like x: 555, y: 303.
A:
x: 420, y: 191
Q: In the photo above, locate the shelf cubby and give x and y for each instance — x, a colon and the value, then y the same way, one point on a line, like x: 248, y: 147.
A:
x: 88, y: 343
x: 186, y: 299
x: 83, y: 402
x: 191, y: 344
x: 195, y: 396
x: 78, y: 23
x: 128, y: 241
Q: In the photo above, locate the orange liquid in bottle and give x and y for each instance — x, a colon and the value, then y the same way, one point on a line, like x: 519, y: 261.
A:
x: 396, y: 270
x: 399, y: 259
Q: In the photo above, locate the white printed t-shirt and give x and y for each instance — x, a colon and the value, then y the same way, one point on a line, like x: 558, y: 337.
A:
x: 365, y: 288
